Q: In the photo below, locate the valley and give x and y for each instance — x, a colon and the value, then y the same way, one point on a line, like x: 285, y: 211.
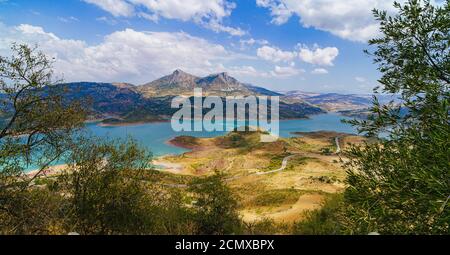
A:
x: 277, y: 181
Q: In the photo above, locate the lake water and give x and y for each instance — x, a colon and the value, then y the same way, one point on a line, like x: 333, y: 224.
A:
x: 154, y: 136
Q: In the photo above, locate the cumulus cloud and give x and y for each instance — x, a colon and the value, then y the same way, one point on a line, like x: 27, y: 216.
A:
x: 216, y: 26
x: 187, y: 9
x: 277, y: 72
x: 115, y: 7
x: 286, y: 71
x: 318, y: 56
x: 209, y: 14
x: 279, y: 11
x: 246, y: 71
x: 250, y: 42
x: 319, y: 71
x: 126, y: 55
x: 275, y: 54
x: 348, y: 19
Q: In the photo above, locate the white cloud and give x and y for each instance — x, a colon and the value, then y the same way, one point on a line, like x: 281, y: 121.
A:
x: 348, y: 19
x: 287, y: 71
x: 319, y: 71
x: 360, y: 79
x: 109, y: 21
x: 115, y: 7
x: 33, y: 30
x: 209, y: 14
x: 244, y: 44
x: 150, y: 17
x: 252, y: 41
x: 246, y: 71
x: 218, y: 27
x: 318, y: 56
x: 188, y: 9
x: 277, y: 72
x: 275, y: 54
x: 68, y: 19
x: 279, y: 11
x: 126, y: 55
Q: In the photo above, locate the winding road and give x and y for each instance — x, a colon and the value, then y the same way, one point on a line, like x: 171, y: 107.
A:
x: 284, y: 164
x: 286, y: 160
x: 338, y: 146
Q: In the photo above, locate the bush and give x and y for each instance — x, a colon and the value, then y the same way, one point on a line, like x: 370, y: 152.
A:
x: 277, y: 197
x: 215, y: 209
x: 324, y: 221
x: 266, y: 227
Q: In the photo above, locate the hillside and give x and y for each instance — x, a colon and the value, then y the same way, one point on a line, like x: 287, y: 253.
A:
x: 271, y: 189
x: 181, y: 83
x: 105, y: 100
x: 332, y: 101
x: 123, y: 103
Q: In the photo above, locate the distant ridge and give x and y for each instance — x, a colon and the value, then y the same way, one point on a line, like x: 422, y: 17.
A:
x: 182, y: 83
x: 333, y: 102
x: 121, y: 103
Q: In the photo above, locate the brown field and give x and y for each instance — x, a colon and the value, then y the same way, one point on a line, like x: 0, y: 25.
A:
x: 255, y: 172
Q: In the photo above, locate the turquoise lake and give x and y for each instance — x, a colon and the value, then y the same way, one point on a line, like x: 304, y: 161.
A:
x: 154, y: 136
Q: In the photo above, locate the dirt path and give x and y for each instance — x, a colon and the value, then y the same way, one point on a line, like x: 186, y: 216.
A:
x: 283, y: 166
x: 338, y: 146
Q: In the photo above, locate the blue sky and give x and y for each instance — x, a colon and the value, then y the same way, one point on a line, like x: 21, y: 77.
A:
x: 308, y: 45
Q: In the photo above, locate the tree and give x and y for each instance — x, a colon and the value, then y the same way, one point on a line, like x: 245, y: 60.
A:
x: 401, y: 184
x: 110, y: 188
x: 105, y: 189
x: 36, y: 129
x: 215, y: 209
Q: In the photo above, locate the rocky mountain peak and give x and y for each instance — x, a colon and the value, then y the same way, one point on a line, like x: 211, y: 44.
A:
x: 225, y: 77
x: 178, y: 72
x: 221, y: 78
x: 180, y: 82
x: 179, y: 75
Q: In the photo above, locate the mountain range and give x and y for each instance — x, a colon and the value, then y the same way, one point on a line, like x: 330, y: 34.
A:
x: 121, y: 103
x: 181, y: 83
x: 333, y: 102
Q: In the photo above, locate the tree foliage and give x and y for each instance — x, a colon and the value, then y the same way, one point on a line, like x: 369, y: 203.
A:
x: 38, y: 122
x: 36, y: 129
x: 401, y: 185
x: 106, y: 193
x: 215, y: 208
x: 106, y: 187
x: 324, y: 221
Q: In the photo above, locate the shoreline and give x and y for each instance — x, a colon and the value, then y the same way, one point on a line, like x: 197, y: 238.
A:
x: 128, y: 124
x: 141, y: 123
x: 172, y: 142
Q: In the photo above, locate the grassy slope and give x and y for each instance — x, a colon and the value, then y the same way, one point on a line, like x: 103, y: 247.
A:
x: 310, y: 176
